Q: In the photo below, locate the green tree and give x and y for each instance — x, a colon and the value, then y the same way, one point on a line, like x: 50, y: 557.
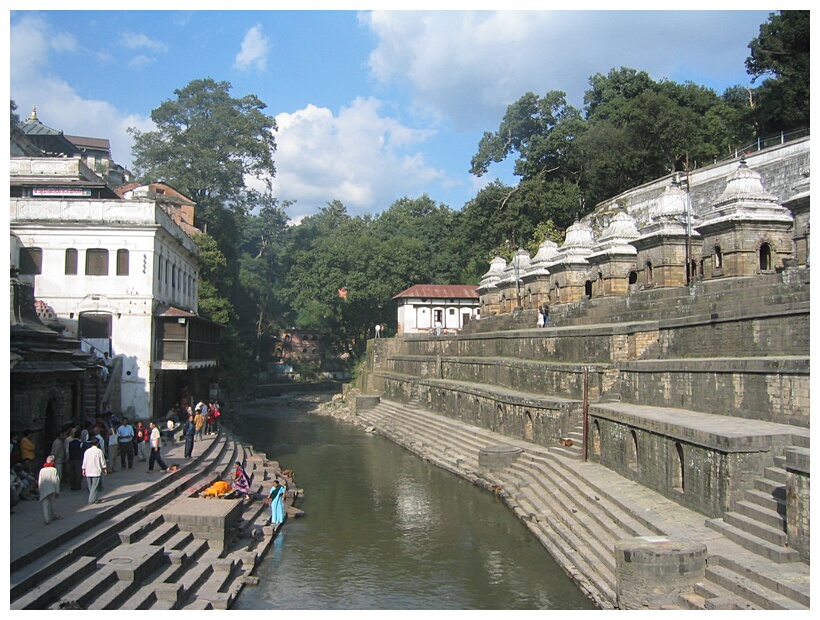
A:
x: 206, y: 144
x: 782, y: 51
x: 261, y: 273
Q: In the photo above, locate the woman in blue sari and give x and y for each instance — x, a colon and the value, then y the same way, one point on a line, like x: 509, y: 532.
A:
x: 277, y: 506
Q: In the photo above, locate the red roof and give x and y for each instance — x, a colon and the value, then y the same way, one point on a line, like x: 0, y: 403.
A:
x: 441, y: 291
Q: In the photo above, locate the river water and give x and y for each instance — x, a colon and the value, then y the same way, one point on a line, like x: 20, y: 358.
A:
x: 384, y: 529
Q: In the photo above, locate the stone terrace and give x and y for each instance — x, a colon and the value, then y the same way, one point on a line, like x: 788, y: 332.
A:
x: 699, y: 394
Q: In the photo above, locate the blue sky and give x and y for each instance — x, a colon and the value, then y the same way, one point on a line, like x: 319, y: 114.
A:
x: 371, y: 106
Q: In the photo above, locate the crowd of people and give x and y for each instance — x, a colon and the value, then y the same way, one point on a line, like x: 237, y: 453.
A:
x: 97, y: 447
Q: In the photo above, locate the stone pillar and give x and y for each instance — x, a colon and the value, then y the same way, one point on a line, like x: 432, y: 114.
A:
x: 798, y: 470
x: 652, y: 571
x: 497, y: 457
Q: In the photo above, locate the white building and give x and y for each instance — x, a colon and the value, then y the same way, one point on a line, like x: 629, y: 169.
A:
x: 423, y: 307
x: 121, y: 275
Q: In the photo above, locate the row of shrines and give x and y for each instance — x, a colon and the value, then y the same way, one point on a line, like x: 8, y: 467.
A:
x: 746, y: 231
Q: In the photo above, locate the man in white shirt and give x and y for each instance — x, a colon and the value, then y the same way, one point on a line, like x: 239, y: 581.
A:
x: 155, y: 441
x: 94, y: 467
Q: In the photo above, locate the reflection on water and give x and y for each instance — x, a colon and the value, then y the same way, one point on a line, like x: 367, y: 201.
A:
x: 383, y: 529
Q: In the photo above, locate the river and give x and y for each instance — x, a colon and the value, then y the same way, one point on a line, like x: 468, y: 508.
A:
x: 383, y: 529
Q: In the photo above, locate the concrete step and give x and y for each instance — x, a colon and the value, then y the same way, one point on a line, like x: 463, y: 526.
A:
x: 766, y: 516
x: 114, y: 596
x: 89, y: 589
x: 777, y: 474
x: 770, y: 551
x: 775, y: 489
x: 774, y: 535
x: 51, y: 589
x: 716, y: 597
x: 760, y: 596
x: 792, y: 580
x: 765, y: 500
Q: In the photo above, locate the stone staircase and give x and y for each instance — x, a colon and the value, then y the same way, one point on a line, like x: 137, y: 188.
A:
x: 578, y: 510
x: 133, y: 555
x: 758, y: 522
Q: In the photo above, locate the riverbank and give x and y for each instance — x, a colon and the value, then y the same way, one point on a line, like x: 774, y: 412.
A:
x: 152, y: 542
x: 585, y: 515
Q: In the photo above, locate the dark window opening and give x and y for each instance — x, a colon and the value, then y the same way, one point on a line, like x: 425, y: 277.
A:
x: 122, y: 262
x: 71, y: 262
x: 96, y: 262
x: 31, y: 261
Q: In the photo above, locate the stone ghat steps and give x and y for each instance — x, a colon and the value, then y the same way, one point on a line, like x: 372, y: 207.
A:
x: 758, y: 293
x: 755, y: 297
x: 105, y: 525
x: 609, y: 506
x: 186, y: 573
x: 174, y: 569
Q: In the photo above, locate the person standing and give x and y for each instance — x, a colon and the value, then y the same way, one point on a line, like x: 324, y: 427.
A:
x: 213, y: 407
x: 75, y: 463
x: 188, y: 432
x: 210, y: 419
x: 155, y: 441
x: 378, y: 330
x: 49, y: 485
x: 125, y: 439
x: 141, y: 437
x: 94, y: 467
x: 199, y: 424
x: 58, y: 452
x: 276, y: 502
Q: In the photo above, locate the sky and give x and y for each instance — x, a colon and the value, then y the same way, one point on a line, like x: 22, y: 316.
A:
x: 371, y: 106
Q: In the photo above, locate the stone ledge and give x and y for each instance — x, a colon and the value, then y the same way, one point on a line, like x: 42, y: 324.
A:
x: 798, y: 460
x: 716, y: 432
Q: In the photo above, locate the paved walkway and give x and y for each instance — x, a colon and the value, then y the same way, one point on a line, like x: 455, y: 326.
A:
x: 27, y: 526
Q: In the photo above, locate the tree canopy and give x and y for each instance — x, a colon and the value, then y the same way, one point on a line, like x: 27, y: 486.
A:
x: 781, y: 55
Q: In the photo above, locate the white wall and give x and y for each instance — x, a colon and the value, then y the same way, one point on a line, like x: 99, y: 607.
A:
x: 148, y: 234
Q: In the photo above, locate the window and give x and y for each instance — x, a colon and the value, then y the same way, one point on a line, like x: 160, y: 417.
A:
x: 159, y: 270
x: 122, y: 262
x: 31, y: 261
x: 765, y: 257
x: 71, y: 262
x: 96, y: 262
x: 174, y: 277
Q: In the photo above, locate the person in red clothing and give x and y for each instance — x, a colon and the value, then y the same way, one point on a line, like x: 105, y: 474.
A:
x: 142, y: 437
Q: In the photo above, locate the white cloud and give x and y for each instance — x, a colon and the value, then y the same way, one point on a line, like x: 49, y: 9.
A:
x: 140, y: 61
x: 133, y: 40
x: 469, y: 66
x: 365, y: 160
x: 254, y: 52
x: 58, y: 104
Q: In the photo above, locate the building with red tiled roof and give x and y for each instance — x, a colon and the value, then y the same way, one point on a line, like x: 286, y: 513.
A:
x: 426, y: 307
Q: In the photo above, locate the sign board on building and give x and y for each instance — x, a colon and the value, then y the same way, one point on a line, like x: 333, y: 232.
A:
x: 61, y: 191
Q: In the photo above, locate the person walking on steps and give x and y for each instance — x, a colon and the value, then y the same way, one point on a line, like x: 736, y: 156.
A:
x: 94, y: 467
x: 156, y: 441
